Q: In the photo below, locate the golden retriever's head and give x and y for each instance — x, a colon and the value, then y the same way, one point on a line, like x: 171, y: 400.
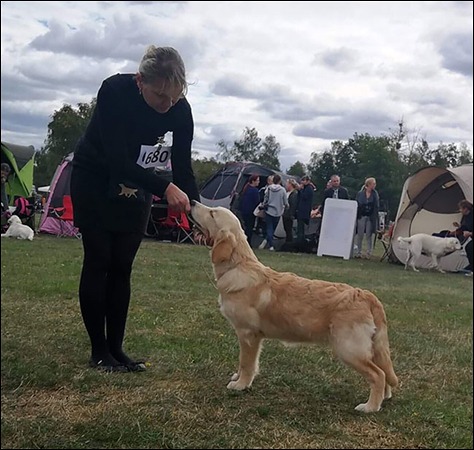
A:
x: 221, y: 226
x: 14, y: 219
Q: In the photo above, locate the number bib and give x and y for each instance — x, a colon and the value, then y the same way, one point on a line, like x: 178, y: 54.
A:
x: 156, y: 156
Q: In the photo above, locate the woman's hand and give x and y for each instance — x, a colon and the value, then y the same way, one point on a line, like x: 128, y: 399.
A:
x: 177, y: 199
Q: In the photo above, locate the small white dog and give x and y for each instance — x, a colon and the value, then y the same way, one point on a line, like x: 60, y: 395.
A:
x: 433, y: 246
x: 17, y: 230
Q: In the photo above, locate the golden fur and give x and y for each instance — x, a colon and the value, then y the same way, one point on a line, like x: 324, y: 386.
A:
x: 261, y: 303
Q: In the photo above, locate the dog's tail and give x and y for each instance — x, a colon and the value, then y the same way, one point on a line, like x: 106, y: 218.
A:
x: 404, y: 239
x: 381, y: 346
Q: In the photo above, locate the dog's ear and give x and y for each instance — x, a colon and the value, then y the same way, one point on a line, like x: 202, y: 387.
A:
x: 224, y: 245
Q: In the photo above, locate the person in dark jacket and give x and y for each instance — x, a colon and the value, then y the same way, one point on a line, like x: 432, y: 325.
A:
x: 305, y: 205
x: 113, y: 178
x: 290, y: 212
x: 368, y: 205
x: 335, y: 190
x: 249, y: 200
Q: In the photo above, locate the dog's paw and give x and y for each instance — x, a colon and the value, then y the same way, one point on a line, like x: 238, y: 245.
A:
x: 235, y: 376
x: 236, y: 386
x: 363, y: 407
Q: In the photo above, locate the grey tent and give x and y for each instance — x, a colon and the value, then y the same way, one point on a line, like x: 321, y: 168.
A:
x: 429, y: 204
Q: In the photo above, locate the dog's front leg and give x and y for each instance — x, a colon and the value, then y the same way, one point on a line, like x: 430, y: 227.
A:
x: 250, y: 345
x: 436, y: 263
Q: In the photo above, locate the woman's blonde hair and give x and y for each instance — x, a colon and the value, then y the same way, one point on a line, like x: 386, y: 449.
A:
x: 163, y: 63
x: 293, y: 182
x: 368, y: 181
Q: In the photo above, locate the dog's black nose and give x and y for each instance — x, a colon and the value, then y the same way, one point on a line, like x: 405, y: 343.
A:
x: 193, y: 202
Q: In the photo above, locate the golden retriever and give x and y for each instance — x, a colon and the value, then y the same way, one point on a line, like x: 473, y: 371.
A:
x: 261, y: 303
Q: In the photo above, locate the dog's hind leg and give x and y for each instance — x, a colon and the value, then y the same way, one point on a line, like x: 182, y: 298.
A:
x: 250, y: 346
x: 353, y: 345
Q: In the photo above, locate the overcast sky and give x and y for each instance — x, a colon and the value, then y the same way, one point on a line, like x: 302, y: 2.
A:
x: 306, y: 72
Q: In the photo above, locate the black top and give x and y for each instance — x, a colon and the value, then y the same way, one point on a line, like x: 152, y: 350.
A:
x: 105, y: 159
x: 329, y: 193
x: 305, y: 202
x: 466, y: 222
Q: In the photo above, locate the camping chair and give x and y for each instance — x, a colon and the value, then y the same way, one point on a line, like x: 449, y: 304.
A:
x: 65, y: 216
x: 185, y: 233
x: 386, y: 240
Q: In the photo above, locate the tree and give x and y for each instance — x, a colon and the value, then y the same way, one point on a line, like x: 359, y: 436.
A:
x: 203, y: 169
x: 66, y: 127
x: 298, y: 169
x: 245, y: 149
x: 251, y: 148
x: 268, y: 154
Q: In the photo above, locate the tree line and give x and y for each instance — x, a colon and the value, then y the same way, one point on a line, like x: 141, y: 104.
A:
x: 390, y: 158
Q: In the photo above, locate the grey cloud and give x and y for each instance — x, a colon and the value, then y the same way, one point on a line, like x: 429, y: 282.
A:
x: 421, y: 95
x: 19, y: 88
x: 25, y: 122
x: 340, y: 59
x: 372, y: 122
x: 231, y: 87
x: 118, y: 40
x: 456, y: 52
x: 278, y: 100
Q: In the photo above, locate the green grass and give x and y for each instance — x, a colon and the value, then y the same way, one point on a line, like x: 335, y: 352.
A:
x: 302, y: 399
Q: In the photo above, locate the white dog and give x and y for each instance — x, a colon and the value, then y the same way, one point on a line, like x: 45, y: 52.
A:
x: 18, y: 230
x: 432, y: 246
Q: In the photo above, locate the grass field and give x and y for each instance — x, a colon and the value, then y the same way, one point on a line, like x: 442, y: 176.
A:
x: 303, y: 398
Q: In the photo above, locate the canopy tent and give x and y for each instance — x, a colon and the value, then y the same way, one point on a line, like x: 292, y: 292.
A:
x: 429, y: 204
x: 21, y: 159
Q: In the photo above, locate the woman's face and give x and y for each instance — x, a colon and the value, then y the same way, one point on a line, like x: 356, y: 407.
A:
x: 256, y: 182
x: 372, y: 185
x: 159, y: 95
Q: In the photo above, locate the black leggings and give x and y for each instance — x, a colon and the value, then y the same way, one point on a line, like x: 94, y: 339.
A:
x: 104, y: 290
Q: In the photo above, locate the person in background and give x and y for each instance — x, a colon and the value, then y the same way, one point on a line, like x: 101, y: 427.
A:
x: 305, y: 205
x: 261, y: 225
x: 367, y: 216
x: 114, y: 176
x: 334, y: 191
x: 5, y: 172
x: 274, y: 204
x: 290, y: 212
x: 249, y: 200
x: 464, y: 231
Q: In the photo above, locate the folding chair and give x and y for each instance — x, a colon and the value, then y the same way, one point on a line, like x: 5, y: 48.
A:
x: 185, y: 232
x: 386, y: 240
x: 65, y: 216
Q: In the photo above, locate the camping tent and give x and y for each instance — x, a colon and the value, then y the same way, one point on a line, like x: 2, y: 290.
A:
x: 221, y: 187
x: 429, y: 204
x: 60, y: 187
x: 21, y: 159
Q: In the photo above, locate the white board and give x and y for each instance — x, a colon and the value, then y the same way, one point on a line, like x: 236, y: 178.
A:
x: 337, y: 228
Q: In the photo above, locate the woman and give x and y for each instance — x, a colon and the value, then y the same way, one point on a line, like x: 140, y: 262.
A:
x: 249, y: 200
x: 367, y: 216
x: 274, y: 204
x: 112, y: 183
x: 305, y: 205
x: 290, y: 212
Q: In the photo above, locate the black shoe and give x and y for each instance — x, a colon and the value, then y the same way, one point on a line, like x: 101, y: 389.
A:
x: 136, y: 366
x: 101, y: 366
